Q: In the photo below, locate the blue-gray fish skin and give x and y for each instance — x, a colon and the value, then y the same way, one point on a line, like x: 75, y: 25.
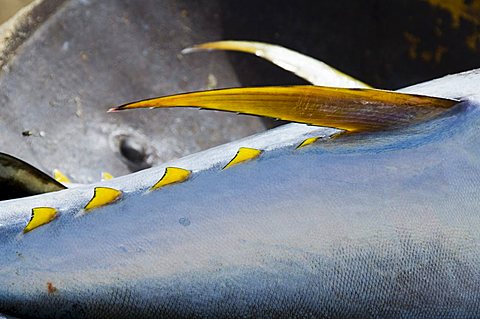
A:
x: 382, y: 225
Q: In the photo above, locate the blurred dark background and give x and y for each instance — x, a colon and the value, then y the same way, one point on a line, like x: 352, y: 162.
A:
x: 67, y: 61
x: 387, y: 44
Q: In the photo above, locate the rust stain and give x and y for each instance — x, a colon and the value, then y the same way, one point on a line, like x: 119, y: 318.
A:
x: 51, y: 288
x: 84, y: 56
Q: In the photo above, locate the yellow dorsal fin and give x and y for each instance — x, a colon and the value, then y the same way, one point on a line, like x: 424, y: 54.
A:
x: 106, y: 176
x: 172, y: 175
x: 353, y: 110
x: 103, y: 196
x: 308, y: 141
x: 243, y: 154
x: 310, y: 69
x: 60, y: 177
x: 40, y: 216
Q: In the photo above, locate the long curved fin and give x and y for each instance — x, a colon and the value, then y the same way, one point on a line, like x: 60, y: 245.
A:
x: 353, y: 110
x: 20, y: 179
x: 310, y: 69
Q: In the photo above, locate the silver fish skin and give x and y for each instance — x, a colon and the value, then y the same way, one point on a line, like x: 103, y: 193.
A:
x: 369, y: 225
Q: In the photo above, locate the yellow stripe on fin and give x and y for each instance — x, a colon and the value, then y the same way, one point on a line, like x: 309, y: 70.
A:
x: 308, y: 141
x: 103, y: 196
x: 40, y: 216
x: 172, y: 175
x: 244, y: 154
x: 60, y: 177
x: 353, y: 110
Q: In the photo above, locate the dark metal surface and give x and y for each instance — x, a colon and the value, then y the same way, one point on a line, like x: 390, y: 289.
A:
x: 91, y: 55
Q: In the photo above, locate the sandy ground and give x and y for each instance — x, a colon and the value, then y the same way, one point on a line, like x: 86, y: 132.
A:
x: 9, y: 7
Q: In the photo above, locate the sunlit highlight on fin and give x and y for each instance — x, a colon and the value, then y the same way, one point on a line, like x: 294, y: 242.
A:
x: 40, y: 216
x: 172, y: 175
x: 103, y: 196
x: 60, y: 177
x: 310, y: 69
x: 308, y: 141
x: 352, y: 110
x: 243, y: 154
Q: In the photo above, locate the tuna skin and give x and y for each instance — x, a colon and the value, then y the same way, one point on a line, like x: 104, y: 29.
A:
x: 372, y: 225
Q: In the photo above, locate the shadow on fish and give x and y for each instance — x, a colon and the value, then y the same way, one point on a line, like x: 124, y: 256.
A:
x: 365, y: 206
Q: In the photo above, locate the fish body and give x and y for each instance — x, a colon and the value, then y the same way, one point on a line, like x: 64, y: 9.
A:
x: 383, y: 224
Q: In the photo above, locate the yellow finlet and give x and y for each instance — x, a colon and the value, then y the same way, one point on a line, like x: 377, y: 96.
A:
x: 172, y: 175
x: 60, y: 177
x: 308, y: 141
x: 244, y: 154
x: 103, y: 196
x: 40, y: 216
x: 106, y: 176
